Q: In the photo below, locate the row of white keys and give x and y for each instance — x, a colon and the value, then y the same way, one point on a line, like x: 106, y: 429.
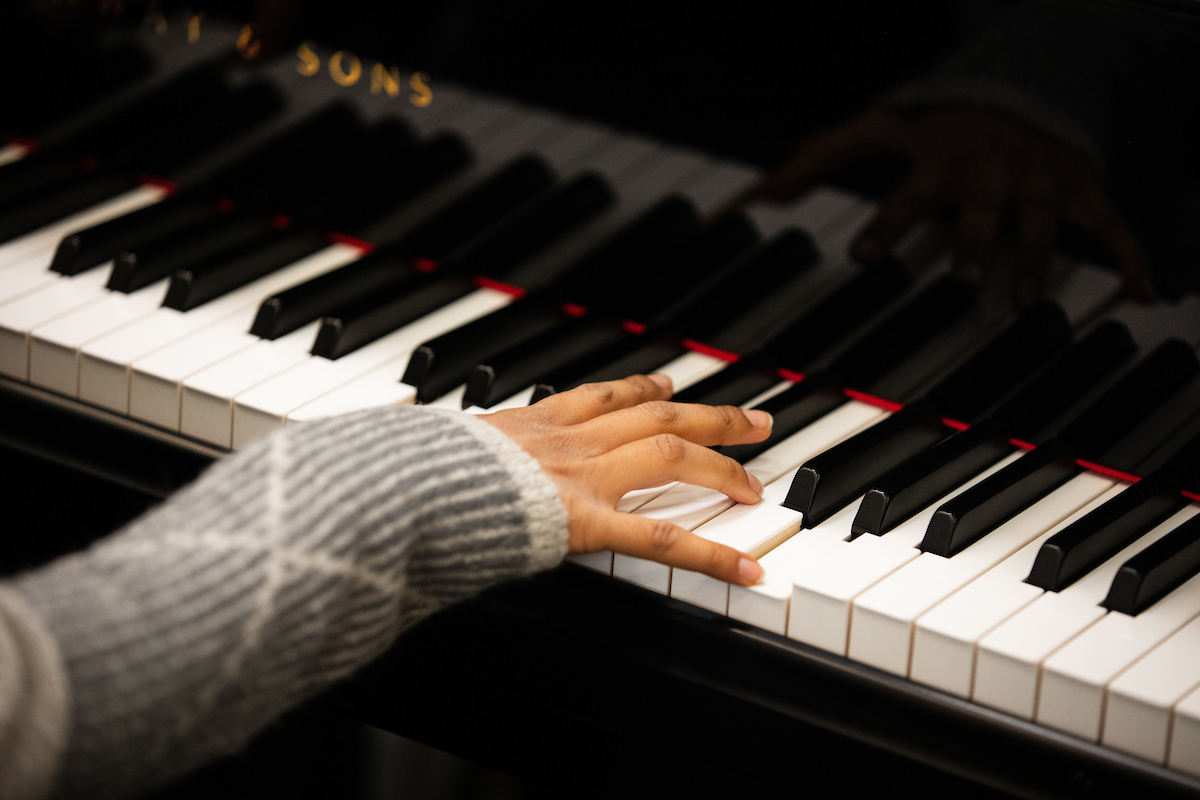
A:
x: 1139, y: 703
x: 690, y: 507
x: 105, y: 362
x: 208, y: 398
x: 823, y: 589
x: 12, y: 152
x: 1008, y: 661
x: 55, y: 349
x: 765, y: 527
x: 883, y: 617
x: 84, y: 313
x: 265, y: 407
x: 1073, y: 678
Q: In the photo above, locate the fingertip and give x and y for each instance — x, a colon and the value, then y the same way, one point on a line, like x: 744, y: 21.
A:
x: 750, y: 571
x: 663, y: 382
x: 760, y: 419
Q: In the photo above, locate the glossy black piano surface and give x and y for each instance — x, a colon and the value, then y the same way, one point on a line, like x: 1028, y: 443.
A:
x: 679, y: 700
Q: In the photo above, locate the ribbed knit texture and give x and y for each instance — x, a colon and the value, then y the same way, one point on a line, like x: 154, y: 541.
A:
x: 280, y: 571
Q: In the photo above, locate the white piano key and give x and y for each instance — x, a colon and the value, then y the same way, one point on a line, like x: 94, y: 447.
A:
x: 35, y: 249
x: 1184, y: 752
x: 721, y: 184
x: 265, y: 407
x: 755, y: 529
x: 17, y: 317
x: 106, y: 364
x: 206, y: 411
x: 823, y: 590
x: 1139, y: 701
x: 766, y: 605
x: 814, y: 211
x: 54, y: 346
x: 1071, y: 695
x: 1008, y: 664
x: 378, y: 387
x: 882, y: 617
x: 12, y: 152
x: 1083, y: 291
x: 944, y: 641
x: 1153, y: 325
x: 597, y: 562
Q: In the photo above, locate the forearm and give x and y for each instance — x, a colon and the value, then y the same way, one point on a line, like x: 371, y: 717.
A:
x: 280, y: 571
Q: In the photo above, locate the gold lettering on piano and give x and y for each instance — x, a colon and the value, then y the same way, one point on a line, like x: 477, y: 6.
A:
x: 422, y: 95
x: 344, y: 77
x: 385, y: 80
x: 193, y: 27
x: 247, y: 45
x: 310, y: 63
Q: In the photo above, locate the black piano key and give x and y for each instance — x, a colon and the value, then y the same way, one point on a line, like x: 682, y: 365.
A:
x: 177, y: 250
x: 504, y: 374
x: 77, y: 197
x: 1003, y: 363
x: 82, y: 250
x: 1097, y: 428
x: 965, y: 519
x: 718, y: 303
x: 922, y: 479
x: 930, y: 475
x: 713, y: 249
x: 902, y: 332
x: 1089, y: 541
x: 404, y: 300
x: 1065, y: 380
x: 299, y: 305
x: 542, y: 222
x: 443, y: 363
x: 602, y: 278
x: 631, y: 354
x: 735, y: 385
x: 839, y: 315
x: 1159, y: 375
x: 207, y: 280
x: 793, y: 409
x: 313, y: 140
x: 826, y: 483
x: 479, y: 208
x: 37, y: 176
x: 398, y: 175
x: 1156, y: 571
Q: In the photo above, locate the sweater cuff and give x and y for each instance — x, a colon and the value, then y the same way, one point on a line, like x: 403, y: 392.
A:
x: 33, y: 702
x: 546, y: 517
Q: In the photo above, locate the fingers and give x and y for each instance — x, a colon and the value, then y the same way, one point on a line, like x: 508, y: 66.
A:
x: 1096, y: 215
x: 664, y: 458
x: 918, y: 196
x: 596, y: 399
x: 979, y: 217
x: 706, y: 425
x: 669, y: 544
x: 1037, y: 220
x: 825, y: 153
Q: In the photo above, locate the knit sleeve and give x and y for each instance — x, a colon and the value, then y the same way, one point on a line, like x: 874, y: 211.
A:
x: 283, y: 569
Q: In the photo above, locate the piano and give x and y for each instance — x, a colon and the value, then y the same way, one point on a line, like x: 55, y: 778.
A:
x: 980, y: 525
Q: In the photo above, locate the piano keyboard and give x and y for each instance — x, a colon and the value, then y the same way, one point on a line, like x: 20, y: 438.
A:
x: 1035, y: 553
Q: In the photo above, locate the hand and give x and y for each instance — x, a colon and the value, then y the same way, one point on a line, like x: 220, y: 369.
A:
x: 982, y: 164
x: 601, y: 440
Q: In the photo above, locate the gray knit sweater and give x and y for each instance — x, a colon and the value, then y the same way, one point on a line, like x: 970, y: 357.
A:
x: 283, y: 569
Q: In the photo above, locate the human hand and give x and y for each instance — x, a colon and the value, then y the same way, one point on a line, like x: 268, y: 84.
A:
x: 601, y: 440
x: 982, y: 164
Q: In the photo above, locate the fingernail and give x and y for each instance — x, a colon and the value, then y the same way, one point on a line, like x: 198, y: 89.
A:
x: 759, y: 418
x: 971, y: 274
x: 755, y: 483
x: 662, y: 380
x: 749, y: 569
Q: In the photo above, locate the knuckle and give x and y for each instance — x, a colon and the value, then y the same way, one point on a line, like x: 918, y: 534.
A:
x: 670, y: 447
x: 602, y: 393
x: 729, y: 416
x: 663, y: 536
x: 662, y: 413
